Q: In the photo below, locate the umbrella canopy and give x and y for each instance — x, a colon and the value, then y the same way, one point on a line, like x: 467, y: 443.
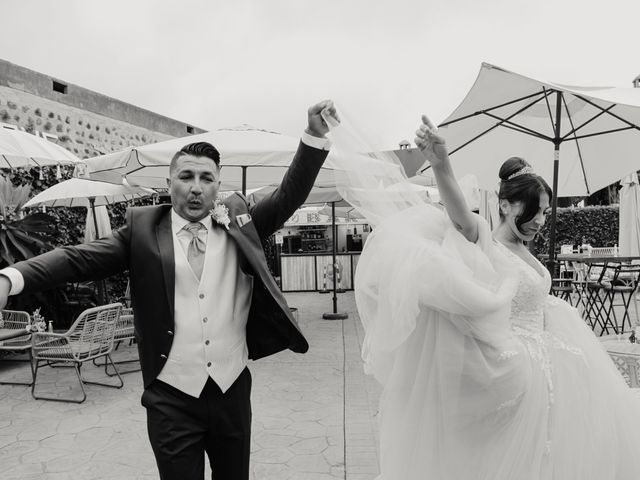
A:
x: 348, y: 213
x: 77, y: 192
x: 250, y: 158
x: 507, y: 114
x: 629, y: 225
x: 580, y: 139
x: 21, y: 149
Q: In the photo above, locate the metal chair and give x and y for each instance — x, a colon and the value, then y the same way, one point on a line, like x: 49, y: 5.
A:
x: 622, y: 286
x: 594, y: 306
x: 563, y: 288
x: 579, y: 283
x: 17, y: 320
x: 90, y: 337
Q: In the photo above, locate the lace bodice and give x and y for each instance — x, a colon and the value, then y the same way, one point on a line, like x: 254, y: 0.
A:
x: 533, y: 289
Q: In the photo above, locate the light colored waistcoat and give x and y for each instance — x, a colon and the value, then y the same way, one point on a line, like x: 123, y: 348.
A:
x: 210, y: 318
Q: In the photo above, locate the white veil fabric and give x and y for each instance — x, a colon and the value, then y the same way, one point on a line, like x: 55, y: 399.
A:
x: 464, y: 396
x: 435, y: 309
x: 414, y: 256
x: 372, y: 182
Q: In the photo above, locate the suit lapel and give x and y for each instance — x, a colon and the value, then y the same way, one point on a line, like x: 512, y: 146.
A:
x: 165, y: 246
x: 248, y: 242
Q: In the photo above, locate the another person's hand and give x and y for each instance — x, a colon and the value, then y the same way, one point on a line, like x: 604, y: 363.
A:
x: 432, y: 145
x: 317, y: 125
x: 5, y: 288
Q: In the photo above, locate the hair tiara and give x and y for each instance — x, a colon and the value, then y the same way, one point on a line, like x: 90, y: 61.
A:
x: 524, y: 170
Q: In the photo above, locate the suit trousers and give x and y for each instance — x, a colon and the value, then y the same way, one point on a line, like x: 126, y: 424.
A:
x: 181, y: 428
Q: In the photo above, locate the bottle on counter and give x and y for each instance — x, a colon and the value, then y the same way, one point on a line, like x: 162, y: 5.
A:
x: 583, y: 247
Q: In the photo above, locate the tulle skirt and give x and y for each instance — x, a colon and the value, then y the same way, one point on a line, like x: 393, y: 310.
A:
x: 465, y: 395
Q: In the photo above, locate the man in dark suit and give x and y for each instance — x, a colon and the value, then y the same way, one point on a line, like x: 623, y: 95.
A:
x: 203, y: 298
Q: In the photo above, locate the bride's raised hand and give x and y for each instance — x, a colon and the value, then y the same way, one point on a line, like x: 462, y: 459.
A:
x: 432, y: 145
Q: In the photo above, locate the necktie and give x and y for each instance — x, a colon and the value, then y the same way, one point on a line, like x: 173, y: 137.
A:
x: 196, y: 248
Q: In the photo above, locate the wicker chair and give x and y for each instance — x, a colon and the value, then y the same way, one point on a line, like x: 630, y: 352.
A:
x: 17, y: 320
x: 90, y: 337
x: 125, y: 331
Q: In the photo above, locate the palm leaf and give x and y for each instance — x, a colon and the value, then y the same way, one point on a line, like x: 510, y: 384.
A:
x: 37, y: 223
x: 36, y: 241
x: 6, y: 253
x: 21, y: 246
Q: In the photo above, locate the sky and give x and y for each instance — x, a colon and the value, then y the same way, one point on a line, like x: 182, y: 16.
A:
x: 217, y: 64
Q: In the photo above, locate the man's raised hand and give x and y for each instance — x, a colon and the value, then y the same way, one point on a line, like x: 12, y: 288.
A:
x: 317, y: 113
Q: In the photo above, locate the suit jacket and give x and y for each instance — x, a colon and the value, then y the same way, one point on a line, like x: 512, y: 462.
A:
x: 144, y: 246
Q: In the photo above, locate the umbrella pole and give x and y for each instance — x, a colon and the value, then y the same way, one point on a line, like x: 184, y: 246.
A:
x: 334, y: 315
x: 244, y: 180
x: 101, y: 284
x: 551, y: 264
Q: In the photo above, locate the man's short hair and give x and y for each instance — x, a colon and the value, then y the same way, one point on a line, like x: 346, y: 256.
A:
x: 197, y: 149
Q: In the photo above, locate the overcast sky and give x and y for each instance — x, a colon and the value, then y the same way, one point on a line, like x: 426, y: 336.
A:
x: 263, y: 62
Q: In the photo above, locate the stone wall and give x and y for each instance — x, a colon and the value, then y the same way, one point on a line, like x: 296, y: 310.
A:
x: 85, y: 122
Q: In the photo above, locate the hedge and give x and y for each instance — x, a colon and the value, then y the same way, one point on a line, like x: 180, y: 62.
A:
x: 598, y: 225
x: 70, y: 225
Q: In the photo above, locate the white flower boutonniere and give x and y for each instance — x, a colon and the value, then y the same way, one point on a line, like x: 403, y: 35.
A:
x: 220, y: 214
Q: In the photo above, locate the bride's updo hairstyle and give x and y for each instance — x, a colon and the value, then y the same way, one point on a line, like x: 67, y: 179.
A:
x: 518, y: 183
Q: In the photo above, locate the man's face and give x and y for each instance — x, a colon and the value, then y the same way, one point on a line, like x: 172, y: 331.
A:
x: 193, y: 186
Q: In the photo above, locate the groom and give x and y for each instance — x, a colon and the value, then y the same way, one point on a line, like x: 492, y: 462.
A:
x: 203, y: 298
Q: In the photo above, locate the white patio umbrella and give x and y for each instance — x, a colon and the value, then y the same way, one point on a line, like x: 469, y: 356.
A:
x: 580, y: 139
x: 21, y: 149
x: 629, y: 224
x: 80, y: 192
x: 250, y: 158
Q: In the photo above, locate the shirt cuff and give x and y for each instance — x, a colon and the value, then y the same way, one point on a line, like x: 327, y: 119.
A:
x: 316, y: 142
x: 16, y: 279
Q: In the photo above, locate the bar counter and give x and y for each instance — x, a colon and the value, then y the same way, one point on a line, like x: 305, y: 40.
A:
x: 305, y: 272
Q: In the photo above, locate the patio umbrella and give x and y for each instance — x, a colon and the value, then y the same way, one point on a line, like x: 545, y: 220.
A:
x: 21, y: 149
x: 250, y: 158
x: 593, y: 133
x: 80, y: 192
x: 629, y: 224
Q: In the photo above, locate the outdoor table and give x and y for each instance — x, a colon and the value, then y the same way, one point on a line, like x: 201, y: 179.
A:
x: 588, y: 260
x: 625, y: 355
x: 584, y: 258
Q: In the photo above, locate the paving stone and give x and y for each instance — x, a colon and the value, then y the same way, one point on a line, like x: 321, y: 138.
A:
x: 304, y: 409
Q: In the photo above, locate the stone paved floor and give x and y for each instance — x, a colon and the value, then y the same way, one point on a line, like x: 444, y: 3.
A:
x: 314, y: 415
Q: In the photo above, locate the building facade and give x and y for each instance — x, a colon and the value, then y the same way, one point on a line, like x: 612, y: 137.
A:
x: 85, y: 122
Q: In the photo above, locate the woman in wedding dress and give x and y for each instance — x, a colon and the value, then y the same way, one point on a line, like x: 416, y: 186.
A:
x: 486, y: 376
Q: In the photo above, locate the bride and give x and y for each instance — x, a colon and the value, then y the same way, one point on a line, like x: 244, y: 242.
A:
x: 486, y: 376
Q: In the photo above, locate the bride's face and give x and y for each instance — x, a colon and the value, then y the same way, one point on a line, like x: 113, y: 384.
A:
x: 527, y: 230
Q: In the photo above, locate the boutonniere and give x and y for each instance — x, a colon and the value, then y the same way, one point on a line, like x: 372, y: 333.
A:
x: 220, y: 213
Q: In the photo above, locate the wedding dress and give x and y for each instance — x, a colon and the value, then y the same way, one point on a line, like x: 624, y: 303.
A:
x: 486, y: 376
